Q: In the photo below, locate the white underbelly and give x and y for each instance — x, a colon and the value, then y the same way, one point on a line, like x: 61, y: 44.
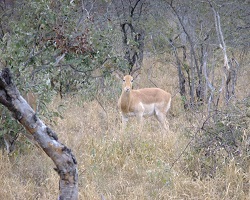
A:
x: 149, y: 109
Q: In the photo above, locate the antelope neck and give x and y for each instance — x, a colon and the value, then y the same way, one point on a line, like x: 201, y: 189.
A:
x: 125, y: 101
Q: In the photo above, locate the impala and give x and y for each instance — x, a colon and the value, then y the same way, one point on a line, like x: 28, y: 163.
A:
x: 143, y: 102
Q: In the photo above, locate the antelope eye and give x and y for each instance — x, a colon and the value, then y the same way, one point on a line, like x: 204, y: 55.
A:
x: 132, y: 81
x: 123, y: 80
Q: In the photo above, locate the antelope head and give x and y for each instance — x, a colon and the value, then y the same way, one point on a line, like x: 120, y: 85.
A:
x: 127, y: 83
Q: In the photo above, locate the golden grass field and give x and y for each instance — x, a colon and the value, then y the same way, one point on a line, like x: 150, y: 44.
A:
x: 121, y: 166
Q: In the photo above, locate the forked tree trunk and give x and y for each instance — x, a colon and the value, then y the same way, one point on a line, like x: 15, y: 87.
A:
x: 65, y: 162
x: 229, y: 73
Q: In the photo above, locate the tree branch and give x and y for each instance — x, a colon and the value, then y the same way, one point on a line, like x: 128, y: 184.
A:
x: 65, y: 161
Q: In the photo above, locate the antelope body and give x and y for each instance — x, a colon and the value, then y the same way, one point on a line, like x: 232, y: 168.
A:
x: 143, y: 102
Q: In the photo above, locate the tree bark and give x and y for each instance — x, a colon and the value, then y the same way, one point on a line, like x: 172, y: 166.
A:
x: 194, y: 65
x: 133, y: 35
x: 182, y: 80
x: 65, y: 161
x: 230, y: 81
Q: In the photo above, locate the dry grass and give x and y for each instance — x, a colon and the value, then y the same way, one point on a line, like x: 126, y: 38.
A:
x: 118, y: 166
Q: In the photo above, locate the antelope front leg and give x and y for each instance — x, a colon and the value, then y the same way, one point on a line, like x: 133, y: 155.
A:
x: 140, y: 122
x: 124, y: 122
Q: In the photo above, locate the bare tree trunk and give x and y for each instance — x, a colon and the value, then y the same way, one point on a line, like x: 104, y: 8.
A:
x: 133, y: 35
x: 192, y: 85
x: 65, y: 162
x: 182, y: 80
x: 132, y: 54
x: 230, y: 81
x: 194, y: 65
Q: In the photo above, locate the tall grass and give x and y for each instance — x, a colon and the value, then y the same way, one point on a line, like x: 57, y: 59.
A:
x: 116, y: 166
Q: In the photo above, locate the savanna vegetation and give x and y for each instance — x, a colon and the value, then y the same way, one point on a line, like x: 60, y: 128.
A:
x: 67, y: 53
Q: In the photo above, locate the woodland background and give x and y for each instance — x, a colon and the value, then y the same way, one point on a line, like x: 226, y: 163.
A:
x: 66, y: 52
